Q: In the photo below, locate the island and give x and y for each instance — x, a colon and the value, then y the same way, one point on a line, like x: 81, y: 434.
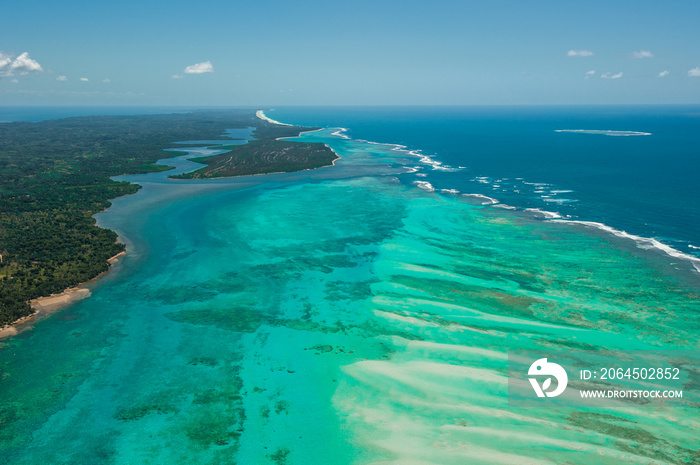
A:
x: 56, y: 174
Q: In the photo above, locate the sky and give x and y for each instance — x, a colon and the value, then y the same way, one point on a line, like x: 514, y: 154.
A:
x: 380, y: 52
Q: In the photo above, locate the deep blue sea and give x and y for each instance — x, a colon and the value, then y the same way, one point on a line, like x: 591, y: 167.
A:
x: 645, y: 185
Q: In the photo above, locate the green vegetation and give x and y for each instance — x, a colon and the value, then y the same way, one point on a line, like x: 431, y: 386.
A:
x: 54, y: 175
x: 264, y: 156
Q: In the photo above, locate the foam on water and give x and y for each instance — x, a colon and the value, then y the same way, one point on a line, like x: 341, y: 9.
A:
x: 545, y: 214
x: 605, y: 132
x: 425, y: 185
x: 642, y: 242
x: 556, y: 200
x: 425, y: 159
x: 487, y: 200
x: 339, y: 132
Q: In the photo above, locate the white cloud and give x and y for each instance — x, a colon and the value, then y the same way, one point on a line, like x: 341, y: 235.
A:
x: 642, y: 54
x: 200, y: 68
x: 579, y: 53
x: 84, y: 79
x: 5, y: 61
x: 61, y: 78
x: 178, y: 76
x: 10, y: 66
x: 611, y: 76
x: 664, y: 73
x: 23, y: 64
x: 695, y: 72
x: 106, y: 80
x: 14, y: 81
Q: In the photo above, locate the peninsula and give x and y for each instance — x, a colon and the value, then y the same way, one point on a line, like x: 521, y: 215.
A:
x: 266, y: 154
x: 56, y: 174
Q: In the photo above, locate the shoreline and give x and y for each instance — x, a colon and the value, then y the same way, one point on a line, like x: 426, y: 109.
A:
x: 337, y: 157
x: 261, y: 114
x: 269, y: 120
x: 48, y: 305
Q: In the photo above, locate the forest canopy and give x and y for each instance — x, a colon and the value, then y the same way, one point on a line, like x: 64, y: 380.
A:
x: 55, y: 174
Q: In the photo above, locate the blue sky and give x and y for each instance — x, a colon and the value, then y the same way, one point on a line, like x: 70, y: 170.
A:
x: 380, y: 52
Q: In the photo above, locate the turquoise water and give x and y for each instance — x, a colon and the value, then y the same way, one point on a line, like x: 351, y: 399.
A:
x: 335, y: 316
x: 642, y: 179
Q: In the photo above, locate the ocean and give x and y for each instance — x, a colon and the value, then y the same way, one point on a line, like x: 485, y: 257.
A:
x: 638, y: 175
x: 365, y: 312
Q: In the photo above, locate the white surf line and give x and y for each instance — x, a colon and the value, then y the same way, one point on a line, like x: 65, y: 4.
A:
x: 605, y: 132
x: 339, y: 133
x: 486, y: 199
x: 547, y: 214
x: 425, y: 185
x: 645, y: 243
x: 261, y: 114
x: 425, y: 159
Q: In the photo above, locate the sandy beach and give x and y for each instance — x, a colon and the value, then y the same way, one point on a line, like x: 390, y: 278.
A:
x: 43, y: 307
x: 261, y: 114
x: 57, y: 301
x: 48, y: 305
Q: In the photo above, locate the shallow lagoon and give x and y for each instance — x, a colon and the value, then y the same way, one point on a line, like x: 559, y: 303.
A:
x: 340, y: 315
